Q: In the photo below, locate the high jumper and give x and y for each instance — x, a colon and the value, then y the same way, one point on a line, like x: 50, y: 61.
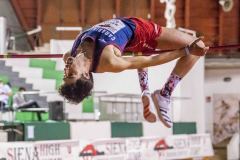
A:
x: 102, y: 48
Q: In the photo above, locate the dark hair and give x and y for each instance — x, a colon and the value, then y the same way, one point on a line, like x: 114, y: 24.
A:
x: 76, y: 92
x: 21, y: 89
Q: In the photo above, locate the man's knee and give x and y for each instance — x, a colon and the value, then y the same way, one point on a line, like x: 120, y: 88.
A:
x: 173, y: 39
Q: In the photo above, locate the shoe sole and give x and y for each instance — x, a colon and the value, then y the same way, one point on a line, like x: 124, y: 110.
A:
x: 150, y: 117
x: 158, y: 110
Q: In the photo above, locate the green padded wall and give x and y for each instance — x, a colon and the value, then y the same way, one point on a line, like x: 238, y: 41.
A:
x: 53, y: 74
x: 51, y: 130
x: 30, y: 116
x: 43, y: 63
x: 49, y: 70
x: 88, y: 105
x: 125, y: 129
x: 4, y: 78
x: 184, y: 128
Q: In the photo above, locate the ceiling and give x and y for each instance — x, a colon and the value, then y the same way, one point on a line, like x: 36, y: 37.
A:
x: 206, y: 17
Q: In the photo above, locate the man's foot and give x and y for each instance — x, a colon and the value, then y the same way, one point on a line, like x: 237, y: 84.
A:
x: 162, y: 106
x: 148, y: 107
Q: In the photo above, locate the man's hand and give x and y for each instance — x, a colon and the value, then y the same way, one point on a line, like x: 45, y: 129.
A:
x: 65, y: 56
x: 197, y: 48
x: 67, y: 68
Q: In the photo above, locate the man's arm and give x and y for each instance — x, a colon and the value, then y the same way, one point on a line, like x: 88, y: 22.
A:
x: 118, y: 64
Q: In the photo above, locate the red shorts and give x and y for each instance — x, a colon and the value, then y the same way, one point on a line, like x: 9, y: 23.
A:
x: 145, y: 35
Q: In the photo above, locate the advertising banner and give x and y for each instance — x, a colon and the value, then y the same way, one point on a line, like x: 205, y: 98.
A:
x: 153, y: 148
x: 42, y: 150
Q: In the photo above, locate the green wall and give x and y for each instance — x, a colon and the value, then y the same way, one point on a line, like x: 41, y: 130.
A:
x: 125, y: 129
x: 51, y: 130
x: 184, y: 128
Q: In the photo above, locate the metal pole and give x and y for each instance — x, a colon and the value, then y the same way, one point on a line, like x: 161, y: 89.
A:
x: 3, y: 30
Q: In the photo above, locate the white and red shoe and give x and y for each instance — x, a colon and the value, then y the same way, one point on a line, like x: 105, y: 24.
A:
x: 162, y: 105
x: 148, y: 107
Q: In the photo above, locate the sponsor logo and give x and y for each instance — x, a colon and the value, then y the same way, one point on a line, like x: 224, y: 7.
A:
x: 90, y: 150
x: 162, y: 145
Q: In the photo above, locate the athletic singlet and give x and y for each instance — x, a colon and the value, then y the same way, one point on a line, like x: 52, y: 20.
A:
x: 117, y: 32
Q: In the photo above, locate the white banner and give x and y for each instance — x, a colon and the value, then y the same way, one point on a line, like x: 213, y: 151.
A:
x: 42, y: 150
x: 172, y: 147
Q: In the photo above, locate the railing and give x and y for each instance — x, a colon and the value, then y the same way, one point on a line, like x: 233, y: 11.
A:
x: 125, y: 107
x: 120, y: 107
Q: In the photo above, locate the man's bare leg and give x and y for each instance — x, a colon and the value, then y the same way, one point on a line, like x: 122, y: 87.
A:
x: 179, y: 39
x: 172, y: 39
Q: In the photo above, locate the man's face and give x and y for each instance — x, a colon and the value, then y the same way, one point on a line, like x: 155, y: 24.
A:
x: 75, y: 68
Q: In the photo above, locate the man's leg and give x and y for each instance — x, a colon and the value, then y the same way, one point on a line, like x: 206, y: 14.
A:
x: 2, y: 106
x: 177, y: 39
x: 173, y: 39
x: 31, y: 104
x: 25, y: 105
x: 143, y: 79
x: 146, y: 96
x: 34, y: 104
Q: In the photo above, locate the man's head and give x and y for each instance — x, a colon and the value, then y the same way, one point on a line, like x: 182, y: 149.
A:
x: 21, y: 89
x: 78, y: 81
